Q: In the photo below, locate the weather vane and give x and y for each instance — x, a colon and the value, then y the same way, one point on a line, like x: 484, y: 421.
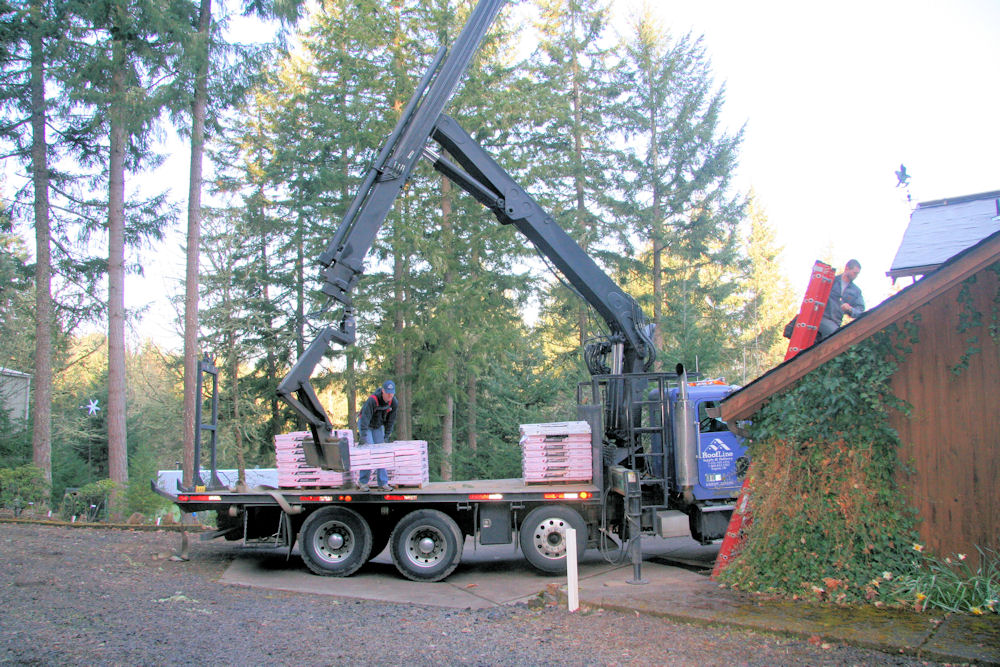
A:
x: 903, y: 180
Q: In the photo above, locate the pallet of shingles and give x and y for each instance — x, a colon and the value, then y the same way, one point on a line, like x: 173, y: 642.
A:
x: 405, y: 461
x: 294, y: 472
x: 556, y: 452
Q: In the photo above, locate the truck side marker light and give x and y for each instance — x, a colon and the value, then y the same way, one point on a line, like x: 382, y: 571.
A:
x: 582, y: 495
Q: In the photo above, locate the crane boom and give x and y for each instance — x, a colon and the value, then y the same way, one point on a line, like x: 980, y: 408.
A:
x: 628, y: 348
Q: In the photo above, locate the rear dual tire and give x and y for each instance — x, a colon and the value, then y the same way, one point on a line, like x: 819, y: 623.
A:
x: 335, y: 541
x: 426, y: 545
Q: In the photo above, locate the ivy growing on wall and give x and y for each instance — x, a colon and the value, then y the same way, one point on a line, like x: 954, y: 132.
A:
x: 969, y: 319
x: 829, y: 519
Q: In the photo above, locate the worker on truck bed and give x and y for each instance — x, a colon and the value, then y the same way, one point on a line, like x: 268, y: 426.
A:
x: 377, y: 419
x: 845, y: 298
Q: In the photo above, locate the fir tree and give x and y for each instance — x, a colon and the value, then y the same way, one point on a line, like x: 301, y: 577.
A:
x: 678, y: 192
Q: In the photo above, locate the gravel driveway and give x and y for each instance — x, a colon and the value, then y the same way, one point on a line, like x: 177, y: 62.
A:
x: 84, y: 596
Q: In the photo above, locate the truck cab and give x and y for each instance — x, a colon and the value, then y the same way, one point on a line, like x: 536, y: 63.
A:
x: 722, y: 455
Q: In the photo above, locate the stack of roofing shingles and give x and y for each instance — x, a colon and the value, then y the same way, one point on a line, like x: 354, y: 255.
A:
x: 404, y: 460
x: 556, y: 452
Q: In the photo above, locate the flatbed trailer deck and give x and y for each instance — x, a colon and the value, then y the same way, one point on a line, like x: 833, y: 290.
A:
x: 339, y: 529
x: 493, y: 490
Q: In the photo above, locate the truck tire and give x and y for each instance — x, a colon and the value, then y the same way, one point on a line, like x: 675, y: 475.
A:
x: 335, y: 541
x: 543, y: 536
x: 426, y: 545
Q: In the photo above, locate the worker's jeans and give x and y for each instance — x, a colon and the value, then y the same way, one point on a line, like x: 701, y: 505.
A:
x: 374, y: 436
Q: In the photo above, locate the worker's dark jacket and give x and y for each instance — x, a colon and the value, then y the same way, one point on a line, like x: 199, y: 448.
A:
x: 851, y: 295
x: 375, y: 413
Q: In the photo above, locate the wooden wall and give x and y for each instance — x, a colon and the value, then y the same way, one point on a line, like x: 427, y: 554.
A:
x: 952, y: 438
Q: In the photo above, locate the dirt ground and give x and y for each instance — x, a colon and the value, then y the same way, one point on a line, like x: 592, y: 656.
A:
x: 86, y: 596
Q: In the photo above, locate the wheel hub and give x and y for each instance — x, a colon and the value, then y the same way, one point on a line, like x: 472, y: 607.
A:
x: 334, y: 541
x: 550, y: 538
x: 426, y: 546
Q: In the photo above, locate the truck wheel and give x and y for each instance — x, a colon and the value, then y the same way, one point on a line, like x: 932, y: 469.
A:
x: 543, y: 536
x: 335, y: 541
x: 426, y: 545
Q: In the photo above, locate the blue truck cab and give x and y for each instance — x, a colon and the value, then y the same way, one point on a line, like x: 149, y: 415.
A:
x: 721, y: 454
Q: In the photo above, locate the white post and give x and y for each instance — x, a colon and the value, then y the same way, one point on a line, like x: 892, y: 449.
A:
x: 572, y: 578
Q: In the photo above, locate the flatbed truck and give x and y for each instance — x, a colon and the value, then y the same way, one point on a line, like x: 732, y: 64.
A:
x: 663, y: 463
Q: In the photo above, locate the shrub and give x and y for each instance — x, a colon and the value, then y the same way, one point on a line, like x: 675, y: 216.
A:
x: 89, y: 502
x: 21, y: 487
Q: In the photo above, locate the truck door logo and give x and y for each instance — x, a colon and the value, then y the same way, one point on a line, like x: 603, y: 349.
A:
x: 717, y: 459
x: 717, y: 449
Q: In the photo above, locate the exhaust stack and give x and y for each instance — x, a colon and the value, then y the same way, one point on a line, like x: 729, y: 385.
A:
x: 685, y: 431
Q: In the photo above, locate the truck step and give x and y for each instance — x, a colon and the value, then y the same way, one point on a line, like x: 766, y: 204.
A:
x: 672, y: 523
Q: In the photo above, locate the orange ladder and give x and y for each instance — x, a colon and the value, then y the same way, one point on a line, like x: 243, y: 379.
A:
x: 736, y: 532
x: 811, y: 311
x: 804, y: 335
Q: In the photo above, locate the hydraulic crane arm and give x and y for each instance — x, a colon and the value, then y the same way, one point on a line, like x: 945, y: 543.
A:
x: 485, y: 180
x: 629, y: 347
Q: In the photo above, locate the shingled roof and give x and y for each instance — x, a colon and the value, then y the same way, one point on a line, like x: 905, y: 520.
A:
x: 742, y: 404
x: 941, y: 228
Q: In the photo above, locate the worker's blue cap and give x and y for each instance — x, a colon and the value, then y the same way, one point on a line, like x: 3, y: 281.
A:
x: 389, y: 387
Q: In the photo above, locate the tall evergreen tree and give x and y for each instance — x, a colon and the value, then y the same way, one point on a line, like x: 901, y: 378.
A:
x: 203, y: 51
x: 42, y: 425
x: 767, y: 301
x: 678, y: 192
x: 36, y: 52
x: 125, y: 79
x: 572, y: 149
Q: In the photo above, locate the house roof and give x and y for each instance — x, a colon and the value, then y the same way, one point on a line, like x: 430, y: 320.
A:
x: 941, y: 228
x: 744, y: 403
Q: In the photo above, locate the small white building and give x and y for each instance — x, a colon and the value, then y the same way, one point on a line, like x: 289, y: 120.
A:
x: 15, y: 393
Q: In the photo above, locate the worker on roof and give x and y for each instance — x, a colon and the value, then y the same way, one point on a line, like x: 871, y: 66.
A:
x: 377, y: 419
x: 845, y: 299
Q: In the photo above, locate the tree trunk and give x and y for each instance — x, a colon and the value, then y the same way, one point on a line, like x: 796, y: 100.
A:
x: 117, y: 444
x: 472, y: 398
x: 657, y: 232
x: 194, y: 243
x: 234, y: 381
x: 404, y: 422
x: 583, y: 310
x: 352, y: 392
x: 41, y: 438
x: 448, y: 421
x: 300, y: 304
x: 447, y: 429
x: 272, y: 364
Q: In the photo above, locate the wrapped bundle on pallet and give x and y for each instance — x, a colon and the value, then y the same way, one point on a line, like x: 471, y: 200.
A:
x: 404, y: 460
x: 556, y: 452
x: 294, y: 472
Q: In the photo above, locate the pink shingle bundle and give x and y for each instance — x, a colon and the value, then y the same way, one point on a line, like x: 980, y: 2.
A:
x: 294, y: 472
x: 410, y: 467
x: 404, y: 460
x: 556, y: 452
